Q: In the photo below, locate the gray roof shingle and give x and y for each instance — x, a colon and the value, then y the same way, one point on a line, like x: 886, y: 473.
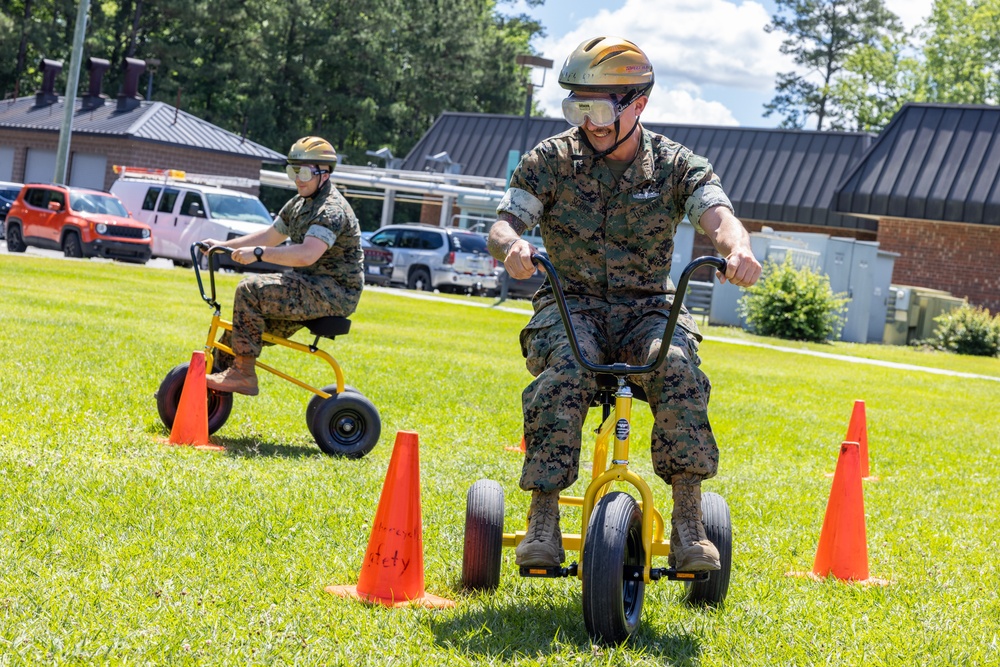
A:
x: 771, y: 175
x: 150, y: 121
x: 933, y: 162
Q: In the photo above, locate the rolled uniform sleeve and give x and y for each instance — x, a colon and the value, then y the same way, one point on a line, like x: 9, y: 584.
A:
x: 700, y: 188
x: 280, y: 222
x: 703, y: 199
x: 523, y: 205
x: 324, y: 234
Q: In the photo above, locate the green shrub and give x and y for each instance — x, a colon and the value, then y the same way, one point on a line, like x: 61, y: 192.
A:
x: 969, y: 330
x: 792, y: 303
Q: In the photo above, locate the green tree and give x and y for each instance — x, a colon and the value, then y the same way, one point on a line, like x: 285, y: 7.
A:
x: 820, y: 36
x: 877, y: 80
x: 363, y: 76
x: 962, y: 52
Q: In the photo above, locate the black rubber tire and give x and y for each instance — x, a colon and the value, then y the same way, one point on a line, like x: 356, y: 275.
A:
x: 715, y: 516
x: 15, y: 242
x: 316, y: 399
x: 71, y: 245
x: 168, y: 397
x: 420, y: 279
x: 612, y: 606
x: 346, y: 425
x: 483, y: 536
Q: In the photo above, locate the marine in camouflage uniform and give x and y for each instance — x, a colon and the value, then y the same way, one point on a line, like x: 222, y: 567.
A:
x: 612, y: 245
x: 608, y: 196
x: 278, y: 302
x: 324, y: 255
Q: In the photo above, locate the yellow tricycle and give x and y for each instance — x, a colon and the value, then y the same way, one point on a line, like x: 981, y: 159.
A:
x: 341, y: 420
x: 619, y: 536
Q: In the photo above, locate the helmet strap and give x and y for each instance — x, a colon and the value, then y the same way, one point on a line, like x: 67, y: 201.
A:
x: 618, y: 142
x: 625, y: 102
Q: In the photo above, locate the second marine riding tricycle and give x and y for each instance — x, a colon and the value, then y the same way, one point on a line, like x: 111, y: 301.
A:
x: 341, y: 420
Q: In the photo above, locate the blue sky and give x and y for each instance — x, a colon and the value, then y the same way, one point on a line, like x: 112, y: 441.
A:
x: 714, y: 63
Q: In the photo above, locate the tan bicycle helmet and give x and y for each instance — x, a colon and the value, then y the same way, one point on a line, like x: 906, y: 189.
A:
x: 312, y: 150
x: 607, y: 65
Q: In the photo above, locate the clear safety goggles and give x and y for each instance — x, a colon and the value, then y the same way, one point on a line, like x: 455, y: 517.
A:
x: 303, y: 172
x: 601, y: 111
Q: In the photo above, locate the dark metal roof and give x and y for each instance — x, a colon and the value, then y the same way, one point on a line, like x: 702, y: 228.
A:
x: 150, y: 121
x: 932, y: 162
x: 771, y: 175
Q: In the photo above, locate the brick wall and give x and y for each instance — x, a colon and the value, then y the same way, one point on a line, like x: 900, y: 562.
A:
x: 959, y: 258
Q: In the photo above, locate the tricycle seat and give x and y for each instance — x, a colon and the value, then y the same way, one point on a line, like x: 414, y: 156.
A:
x: 607, y: 385
x: 328, y: 327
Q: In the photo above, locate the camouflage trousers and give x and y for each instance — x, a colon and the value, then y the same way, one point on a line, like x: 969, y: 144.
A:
x: 278, y: 303
x: 556, y: 402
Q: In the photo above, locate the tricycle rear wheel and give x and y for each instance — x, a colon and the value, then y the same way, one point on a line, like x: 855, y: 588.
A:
x: 346, y: 425
x: 483, y: 536
x: 718, y: 528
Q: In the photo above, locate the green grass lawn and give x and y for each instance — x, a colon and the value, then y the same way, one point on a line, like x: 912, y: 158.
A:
x: 118, y: 549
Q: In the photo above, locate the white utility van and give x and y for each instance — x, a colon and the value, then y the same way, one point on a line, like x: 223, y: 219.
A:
x: 180, y: 212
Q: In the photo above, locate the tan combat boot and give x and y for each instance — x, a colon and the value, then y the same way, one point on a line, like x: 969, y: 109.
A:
x: 690, y: 548
x: 542, y: 545
x: 240, y: 378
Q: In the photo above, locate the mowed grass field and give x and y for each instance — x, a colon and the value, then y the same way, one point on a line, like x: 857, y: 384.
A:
x: 118, y: 549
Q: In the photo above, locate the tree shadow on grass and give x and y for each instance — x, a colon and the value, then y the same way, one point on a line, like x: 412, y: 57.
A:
x: 508, y: 631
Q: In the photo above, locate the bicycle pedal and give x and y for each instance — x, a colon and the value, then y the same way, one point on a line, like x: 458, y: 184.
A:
x: 671, y: 574
x: 550, y: 572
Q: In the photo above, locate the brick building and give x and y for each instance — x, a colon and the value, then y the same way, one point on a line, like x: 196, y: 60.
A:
x: 127, y: 130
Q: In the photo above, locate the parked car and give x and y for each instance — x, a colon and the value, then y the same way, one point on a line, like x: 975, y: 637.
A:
x: 426, y: 257
x: 378, y: 264
x: 180, y: 213
x: 8, y: 193
x: 78, y: 221
x: 520, y: 289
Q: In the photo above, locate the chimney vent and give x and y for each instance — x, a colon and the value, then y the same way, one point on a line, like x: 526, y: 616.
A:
x: 129, y: 97
x: 94, y: 98
x: 47, y: 95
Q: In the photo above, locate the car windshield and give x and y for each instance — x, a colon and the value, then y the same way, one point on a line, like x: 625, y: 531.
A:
x: 231, y: 207
x: 8, y: 193
x: 93, y: 202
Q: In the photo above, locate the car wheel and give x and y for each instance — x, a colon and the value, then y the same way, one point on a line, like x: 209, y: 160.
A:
x: 14, y: 241
x: 71, y: 246
x: 420, y: 279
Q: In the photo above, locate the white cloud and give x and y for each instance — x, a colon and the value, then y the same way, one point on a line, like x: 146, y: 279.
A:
x: 910, y: 12
x: 691, y: 45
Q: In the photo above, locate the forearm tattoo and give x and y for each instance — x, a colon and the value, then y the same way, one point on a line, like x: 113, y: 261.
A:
x: 499, y: 247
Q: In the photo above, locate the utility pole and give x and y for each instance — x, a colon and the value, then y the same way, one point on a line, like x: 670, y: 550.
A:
x: 69, y: 101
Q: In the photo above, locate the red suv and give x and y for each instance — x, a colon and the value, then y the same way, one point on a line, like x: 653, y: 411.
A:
x: 80, y: 222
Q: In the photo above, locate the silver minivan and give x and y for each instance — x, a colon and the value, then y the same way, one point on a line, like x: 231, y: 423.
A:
x: 426, y: 257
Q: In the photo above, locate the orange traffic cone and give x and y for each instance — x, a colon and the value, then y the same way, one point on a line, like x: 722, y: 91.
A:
x: 392, y: 573
x: 520, y: 448
x: 857, y: 431
x: 843, y: 547
x: 191, y: 421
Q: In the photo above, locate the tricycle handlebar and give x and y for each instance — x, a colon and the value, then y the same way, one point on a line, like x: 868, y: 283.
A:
x: 622, y: 369
x: 196, y: 262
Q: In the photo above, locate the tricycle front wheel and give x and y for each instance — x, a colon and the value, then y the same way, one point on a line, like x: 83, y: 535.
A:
x: 168, y: 397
